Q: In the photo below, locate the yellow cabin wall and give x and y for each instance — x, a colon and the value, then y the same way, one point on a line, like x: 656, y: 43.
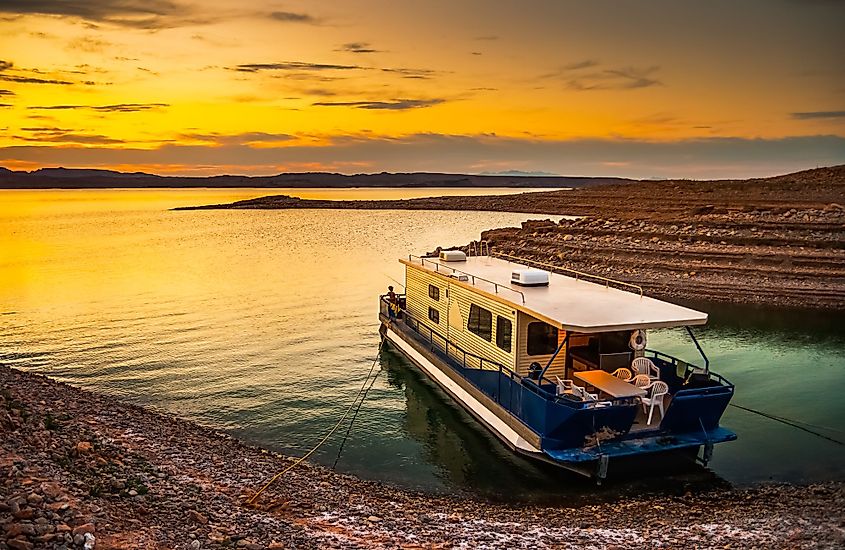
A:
x: 455, y: 299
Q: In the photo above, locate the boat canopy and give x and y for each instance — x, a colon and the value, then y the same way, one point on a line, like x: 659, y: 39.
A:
x: 567, y: 302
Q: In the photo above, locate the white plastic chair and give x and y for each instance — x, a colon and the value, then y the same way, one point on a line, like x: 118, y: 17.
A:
x: 641, y: 381
x: 643, y: 365
x: 623, y: 374
x: 655, y: 397
x: 583, y: 394
x: 564, y: 386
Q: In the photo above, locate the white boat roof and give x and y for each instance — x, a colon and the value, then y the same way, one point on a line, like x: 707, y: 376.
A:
x: 567, y: 302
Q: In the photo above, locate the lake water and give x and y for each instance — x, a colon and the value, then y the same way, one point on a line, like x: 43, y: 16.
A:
x: 264, y: 323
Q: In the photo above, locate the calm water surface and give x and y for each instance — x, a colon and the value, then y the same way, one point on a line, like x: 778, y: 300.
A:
x: 264, y: 323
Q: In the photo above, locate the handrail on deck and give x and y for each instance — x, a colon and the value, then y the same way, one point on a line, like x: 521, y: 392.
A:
x: 513, y: 375
x: 438, y: 265
x: 552, y: 267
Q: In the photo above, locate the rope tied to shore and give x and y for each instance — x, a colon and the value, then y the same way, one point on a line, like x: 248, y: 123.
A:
x: 794, y: 424
x: 325, y: 438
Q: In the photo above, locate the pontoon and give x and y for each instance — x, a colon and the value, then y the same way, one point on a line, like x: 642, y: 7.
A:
x: 553, y: 361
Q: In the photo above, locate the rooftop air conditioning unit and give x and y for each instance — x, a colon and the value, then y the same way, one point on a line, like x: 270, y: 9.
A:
x: 530, y: 277
x: 452, y: 256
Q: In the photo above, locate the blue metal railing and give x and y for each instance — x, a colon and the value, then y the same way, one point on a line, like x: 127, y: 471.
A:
x: 689, y: 368
x: 468, y: 360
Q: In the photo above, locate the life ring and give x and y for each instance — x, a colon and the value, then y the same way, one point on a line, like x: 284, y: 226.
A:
x: 638, y: 340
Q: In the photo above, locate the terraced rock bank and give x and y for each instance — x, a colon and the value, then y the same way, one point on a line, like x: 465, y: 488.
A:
x: 775, y: 241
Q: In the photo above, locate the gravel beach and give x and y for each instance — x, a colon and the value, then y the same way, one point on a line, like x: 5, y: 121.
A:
x: 79, y: 468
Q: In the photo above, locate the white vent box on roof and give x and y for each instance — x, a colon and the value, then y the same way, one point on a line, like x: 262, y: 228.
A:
x: 530, y: 277
x: 453, y: 256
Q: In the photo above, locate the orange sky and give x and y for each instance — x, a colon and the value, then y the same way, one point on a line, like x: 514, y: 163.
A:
x: 648, y: 88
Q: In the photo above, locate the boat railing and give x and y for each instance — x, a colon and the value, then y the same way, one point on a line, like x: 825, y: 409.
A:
x: 689, y: 368
x: 567, y: 271
x: 470, y: 276
x: 469, y: 360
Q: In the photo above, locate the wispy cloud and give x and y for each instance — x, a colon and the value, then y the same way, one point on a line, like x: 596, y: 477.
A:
x: 589, y: 74
x: 357, y: 47
x: 292, y: 66
x: 812, y: 115
x: 6, y: 93
x: 245, y: 138
x: 61, y: 135
x: 390, y: 105
x: 116, y: 108
x: 141, y: 14
x: 292, y: 17
x: 419, y: 74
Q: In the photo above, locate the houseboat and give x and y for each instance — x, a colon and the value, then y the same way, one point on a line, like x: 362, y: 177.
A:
x: 555, y: 362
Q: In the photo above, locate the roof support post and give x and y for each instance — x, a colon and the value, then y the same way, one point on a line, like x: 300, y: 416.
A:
x: 554, y: 355
x: 701, y: 351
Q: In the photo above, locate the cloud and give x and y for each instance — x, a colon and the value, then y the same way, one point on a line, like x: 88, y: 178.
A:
x: 3, y: 105
x: 60, y: 135
x: 116, y: 108
x: 246, y: 138
x: 141, y: 14
x: 486, y: 37
x: 5, y: 65
x: 811, y: 115
x: 291, y: 17
x: 421, y: 74
x: 88, y: 44
x: 292, y: 66
x: 391, y: 105
x: 6, y: 93
x: 33, y: 80
x: 357, y: 47
x: 588, y: 75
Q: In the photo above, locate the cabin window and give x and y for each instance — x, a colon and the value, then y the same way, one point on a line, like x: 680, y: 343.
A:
x: 542, y: 338
x: 434, y: 315
x: 434, y: 292
x: 480, y: 322
x: 504, y: 328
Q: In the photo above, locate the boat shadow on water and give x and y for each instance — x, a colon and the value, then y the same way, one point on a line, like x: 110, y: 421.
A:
x: 472, y: 461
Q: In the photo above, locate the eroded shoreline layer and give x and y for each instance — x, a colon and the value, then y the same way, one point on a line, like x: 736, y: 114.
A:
x: 74, y: 462
x: 775, y: 241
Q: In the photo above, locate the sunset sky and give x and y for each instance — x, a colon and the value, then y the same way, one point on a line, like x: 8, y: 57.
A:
x: 650, y: 88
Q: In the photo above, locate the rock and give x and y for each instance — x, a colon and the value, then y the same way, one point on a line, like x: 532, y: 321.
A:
x: 19, y: 544
x: 17, y: 529
x: 51, y: 490
x: 133, y: 493
x: 249, y: 545
x: 197, y: 517
x: 374, y: 519
x: 196, y: 544
x: 84, y: 528
x: 83, y: 447
x: 568, y: 237
x: 275, y: 546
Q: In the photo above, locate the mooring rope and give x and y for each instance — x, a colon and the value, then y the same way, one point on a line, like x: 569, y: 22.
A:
x: 793, y: 423
x: 354, y: 416
x: 302, y: 459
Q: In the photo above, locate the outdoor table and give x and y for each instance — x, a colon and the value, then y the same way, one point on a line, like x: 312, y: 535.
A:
x: 609, y: 384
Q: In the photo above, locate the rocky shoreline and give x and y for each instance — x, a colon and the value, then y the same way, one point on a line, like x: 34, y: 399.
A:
x: 774, y: 241
x: 84, y: 470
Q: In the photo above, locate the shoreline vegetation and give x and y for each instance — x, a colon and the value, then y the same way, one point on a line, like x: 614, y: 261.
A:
x: 773, y: 241
x: 77, y: 467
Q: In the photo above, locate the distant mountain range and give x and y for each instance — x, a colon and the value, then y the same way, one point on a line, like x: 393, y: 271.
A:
x: 70, y: 178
